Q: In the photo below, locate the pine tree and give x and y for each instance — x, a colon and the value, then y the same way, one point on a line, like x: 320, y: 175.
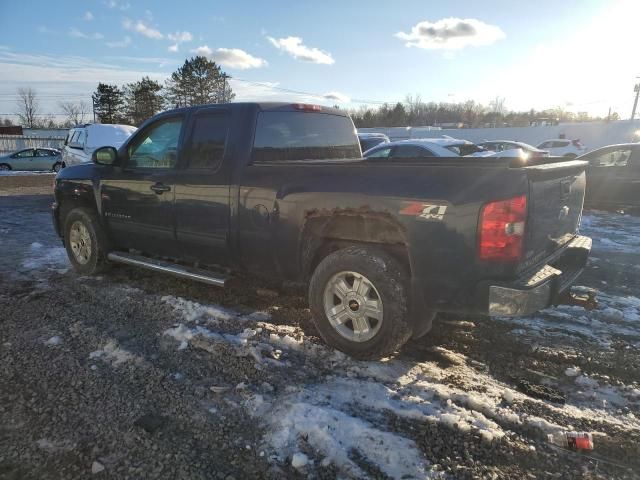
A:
x: 199, y: 81
x: 108, y: 101
x: 143, y: 100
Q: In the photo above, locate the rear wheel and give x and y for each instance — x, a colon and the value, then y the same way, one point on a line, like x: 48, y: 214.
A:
x: 4, y: 166
x: 56, y: 167
x: 86, y: 243
x: 358, y: 299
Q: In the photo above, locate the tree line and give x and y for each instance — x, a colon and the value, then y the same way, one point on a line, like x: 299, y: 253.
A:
x: 198, y: 81
x: 415, y: 112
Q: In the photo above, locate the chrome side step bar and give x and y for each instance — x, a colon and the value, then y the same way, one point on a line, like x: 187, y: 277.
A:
x: 182, y: 271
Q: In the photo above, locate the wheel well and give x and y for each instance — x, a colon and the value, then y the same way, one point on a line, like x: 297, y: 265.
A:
x: 324, y: 234
x: 69, y: 204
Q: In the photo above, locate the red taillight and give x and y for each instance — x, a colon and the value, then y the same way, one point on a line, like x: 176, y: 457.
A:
x: 501, y: 229
x: 308, y: 107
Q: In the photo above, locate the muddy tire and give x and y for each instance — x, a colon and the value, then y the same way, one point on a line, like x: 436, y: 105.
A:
x: 86, y: 242
x: 359, y: 302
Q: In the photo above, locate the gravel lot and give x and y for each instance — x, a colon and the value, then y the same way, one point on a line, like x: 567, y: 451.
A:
x: 137, y: 375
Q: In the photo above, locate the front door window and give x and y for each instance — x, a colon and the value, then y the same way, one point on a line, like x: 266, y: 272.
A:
x: 157, y: 147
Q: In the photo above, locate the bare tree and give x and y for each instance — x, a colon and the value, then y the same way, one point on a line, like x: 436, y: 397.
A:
x: 75, y: 112
x: 27, y: 106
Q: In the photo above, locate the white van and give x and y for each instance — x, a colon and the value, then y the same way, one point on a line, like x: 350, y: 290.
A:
x: 82, y: 140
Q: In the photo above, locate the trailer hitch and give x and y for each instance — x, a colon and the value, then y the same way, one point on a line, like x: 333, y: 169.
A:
x: 584, y: 299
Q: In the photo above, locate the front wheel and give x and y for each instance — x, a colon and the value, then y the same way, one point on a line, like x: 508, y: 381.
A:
x: 86, y: 243
x: 5, y: 167
x: 358, y: 300
x: 56, y: 167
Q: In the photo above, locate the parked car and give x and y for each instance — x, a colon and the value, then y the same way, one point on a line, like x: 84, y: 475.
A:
x: 506, y: 145
x: 423, y: 147
x: 561, y: 147
x: 81, y: 141
x: 613, y: 176
x: 370, y: 140
x: 281, y: 191
x: 32, y: 159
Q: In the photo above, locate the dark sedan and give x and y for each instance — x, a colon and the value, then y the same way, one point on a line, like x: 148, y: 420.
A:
x: 613, y: 176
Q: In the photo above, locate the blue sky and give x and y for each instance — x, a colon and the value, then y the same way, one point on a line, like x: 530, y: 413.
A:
x: 580, y: 55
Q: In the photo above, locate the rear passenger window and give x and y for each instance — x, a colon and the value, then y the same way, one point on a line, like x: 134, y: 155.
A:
x: 292, y: 136
x: 208, y: 140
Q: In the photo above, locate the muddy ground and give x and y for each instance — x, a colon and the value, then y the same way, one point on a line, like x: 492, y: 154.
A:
x: 138, y: 375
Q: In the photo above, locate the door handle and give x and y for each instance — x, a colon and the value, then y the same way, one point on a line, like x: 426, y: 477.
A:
x: 160, y: 188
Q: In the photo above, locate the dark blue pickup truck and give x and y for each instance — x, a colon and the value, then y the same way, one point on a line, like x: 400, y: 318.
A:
x: 281, y: 190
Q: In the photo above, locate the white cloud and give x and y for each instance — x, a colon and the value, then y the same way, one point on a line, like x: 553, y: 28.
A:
x: 180, y: 37
x: 231, y: 57
x: 451, y: 34
x: 125, y: 42
x: 142, y: 28
x: 117, y: 4
x: 43, y: 29
x: 88, y: 16
x: 75, y: 33
x: 337, y: 96
x: 173, y: 48
x: 294, y: 47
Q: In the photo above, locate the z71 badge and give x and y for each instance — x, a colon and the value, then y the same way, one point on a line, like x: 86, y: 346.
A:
x: 426, y: 211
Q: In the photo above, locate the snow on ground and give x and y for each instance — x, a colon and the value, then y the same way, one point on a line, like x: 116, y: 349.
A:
x: 20, y: 173
x: 345, y: 411
x: 39, y: 257
x: 616, y: 316
x: 612, y: 232
x: 114, y: 354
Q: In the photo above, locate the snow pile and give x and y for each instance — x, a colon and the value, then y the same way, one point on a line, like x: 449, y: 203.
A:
x: 113, y: 354
x: 41, y: 258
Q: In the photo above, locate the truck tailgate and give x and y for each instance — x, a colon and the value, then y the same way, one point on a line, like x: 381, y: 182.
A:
x: 556, y: 195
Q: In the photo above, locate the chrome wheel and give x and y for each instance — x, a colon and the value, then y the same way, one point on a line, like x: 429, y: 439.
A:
x: 353, y: 306
x: 80, y: 242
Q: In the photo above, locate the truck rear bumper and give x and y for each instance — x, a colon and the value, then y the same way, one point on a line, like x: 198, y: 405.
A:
x: 542, y: 289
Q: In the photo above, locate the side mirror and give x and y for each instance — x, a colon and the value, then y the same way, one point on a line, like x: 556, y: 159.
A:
x: 105, y: 156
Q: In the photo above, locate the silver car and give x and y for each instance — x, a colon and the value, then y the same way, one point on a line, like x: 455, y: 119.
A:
x: 32, y: 159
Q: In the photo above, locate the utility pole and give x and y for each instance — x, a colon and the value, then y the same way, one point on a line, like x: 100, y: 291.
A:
x: 224, y: 87
x: 636, y: 89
